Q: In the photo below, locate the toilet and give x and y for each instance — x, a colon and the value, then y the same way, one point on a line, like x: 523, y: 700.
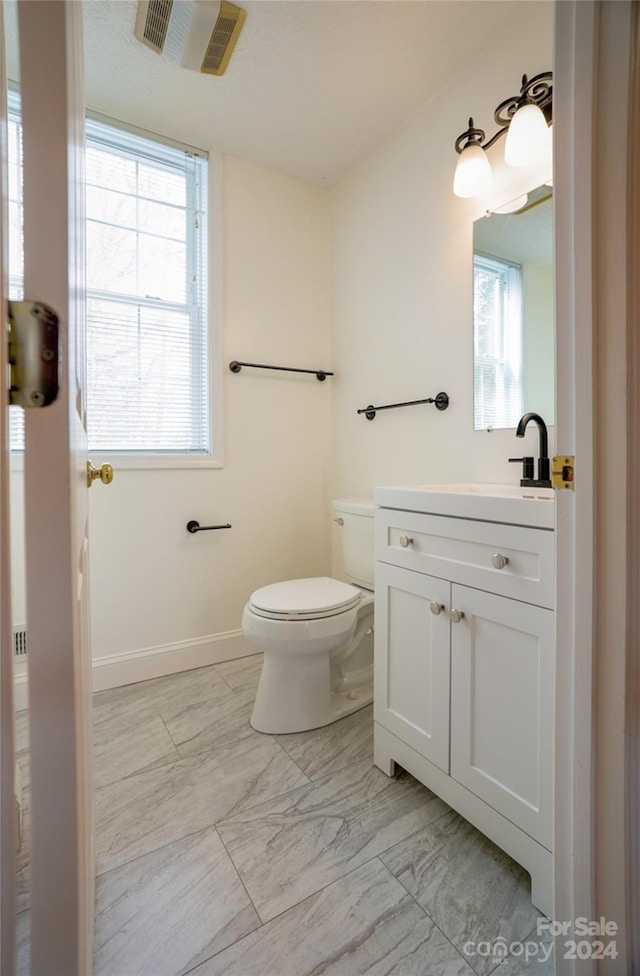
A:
x: 316, y: 636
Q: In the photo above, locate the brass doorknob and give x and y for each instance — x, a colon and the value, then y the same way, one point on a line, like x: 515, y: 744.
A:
x: 104, y: 472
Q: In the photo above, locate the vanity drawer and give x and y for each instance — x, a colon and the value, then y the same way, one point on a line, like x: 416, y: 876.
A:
x: 461, y: 550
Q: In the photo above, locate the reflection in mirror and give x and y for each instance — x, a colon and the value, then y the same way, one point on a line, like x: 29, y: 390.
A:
x: 513, y: 320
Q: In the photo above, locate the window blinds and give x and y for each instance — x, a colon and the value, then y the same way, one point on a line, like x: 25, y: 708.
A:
x: 497, y: 334
x: 147, y: 302
x: 147, y: 290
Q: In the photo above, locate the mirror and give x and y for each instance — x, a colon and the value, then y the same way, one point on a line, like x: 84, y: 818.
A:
x: 513, y: 317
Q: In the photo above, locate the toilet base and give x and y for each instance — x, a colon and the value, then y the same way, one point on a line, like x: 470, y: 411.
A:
x: 357, y: 693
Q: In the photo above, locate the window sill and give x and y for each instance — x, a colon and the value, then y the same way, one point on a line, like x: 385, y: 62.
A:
x: 144, y: 462
x: 137, y: 462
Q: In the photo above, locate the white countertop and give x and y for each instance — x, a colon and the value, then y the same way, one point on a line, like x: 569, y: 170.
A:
x: 511, y: 504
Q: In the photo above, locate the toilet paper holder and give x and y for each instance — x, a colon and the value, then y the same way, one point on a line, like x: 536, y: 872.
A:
x: 194, y: 526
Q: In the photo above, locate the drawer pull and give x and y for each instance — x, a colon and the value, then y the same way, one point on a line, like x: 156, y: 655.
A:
x: 455, y: 616
x: 498, y: 561
x: 405, y: 541
x: 436, y: 607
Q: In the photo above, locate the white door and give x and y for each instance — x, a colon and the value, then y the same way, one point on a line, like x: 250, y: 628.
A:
x: 502, y: 662
x: 411, y: 685
x: 62, y: 879
x: 7, y: 810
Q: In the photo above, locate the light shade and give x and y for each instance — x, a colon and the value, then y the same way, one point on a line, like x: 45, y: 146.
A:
x: 528, y: 138
x: 473, y: 172
x: 517, y: 204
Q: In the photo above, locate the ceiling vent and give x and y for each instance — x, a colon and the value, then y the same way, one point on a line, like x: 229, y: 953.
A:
x: 196, y: 34
x: 152, y: 23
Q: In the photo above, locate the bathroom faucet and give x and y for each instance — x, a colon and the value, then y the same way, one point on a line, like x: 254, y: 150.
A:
x: 544, y: 478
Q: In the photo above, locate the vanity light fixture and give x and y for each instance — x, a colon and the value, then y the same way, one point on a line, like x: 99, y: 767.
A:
x: 525, y: 119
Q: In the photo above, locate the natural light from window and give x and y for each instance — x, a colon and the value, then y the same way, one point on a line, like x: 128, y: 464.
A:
x: 497, y: 336
x: 148, y: 373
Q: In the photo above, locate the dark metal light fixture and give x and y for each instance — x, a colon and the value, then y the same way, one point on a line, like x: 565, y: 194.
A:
x: 523, y: 118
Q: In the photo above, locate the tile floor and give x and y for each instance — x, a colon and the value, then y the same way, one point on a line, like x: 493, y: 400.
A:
x: 221, y: 850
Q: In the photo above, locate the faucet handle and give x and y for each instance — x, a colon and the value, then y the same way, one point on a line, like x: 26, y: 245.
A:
x: 527, y: 467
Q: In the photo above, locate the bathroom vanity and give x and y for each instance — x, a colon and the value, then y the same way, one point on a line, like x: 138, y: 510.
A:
x: 464, y: 657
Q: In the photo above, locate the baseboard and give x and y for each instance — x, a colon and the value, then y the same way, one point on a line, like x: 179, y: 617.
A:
x: 154, y: 662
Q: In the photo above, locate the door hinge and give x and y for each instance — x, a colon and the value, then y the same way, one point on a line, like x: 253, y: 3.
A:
x: 563, y: 472
x: 33, y: 354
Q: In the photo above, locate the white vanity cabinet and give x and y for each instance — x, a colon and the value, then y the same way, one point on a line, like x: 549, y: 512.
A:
x: 464, y: 664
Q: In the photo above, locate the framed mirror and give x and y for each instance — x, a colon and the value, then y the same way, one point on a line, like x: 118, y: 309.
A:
x: 513, y: 312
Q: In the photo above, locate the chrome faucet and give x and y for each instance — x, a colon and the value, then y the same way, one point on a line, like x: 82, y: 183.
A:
x: 544, y: 477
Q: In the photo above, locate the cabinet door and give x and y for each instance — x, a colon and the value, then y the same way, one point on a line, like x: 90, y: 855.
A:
x: 412, y: 673
x: 502, y: 706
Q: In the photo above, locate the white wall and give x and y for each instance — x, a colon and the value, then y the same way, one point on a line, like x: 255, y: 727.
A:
x: 402, y: 286
x: 373, y: 280
x: 154, y: 584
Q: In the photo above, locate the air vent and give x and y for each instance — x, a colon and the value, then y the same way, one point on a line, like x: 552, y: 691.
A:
x: 19, y: 642
x: 152, y: 23
x: 223, y: 39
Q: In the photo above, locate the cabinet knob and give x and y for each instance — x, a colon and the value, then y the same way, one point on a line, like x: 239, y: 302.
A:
x: 498, y: 561
x: 436, y: 607
x: 455, y: 616
x: 339, y: 520
x: 405, y: 541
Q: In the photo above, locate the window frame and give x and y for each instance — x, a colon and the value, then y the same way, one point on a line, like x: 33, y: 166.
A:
x: 214, y: 458
x: 510, y: 273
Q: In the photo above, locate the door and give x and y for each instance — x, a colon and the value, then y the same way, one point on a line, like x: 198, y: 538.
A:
x: 502, y: 664
x: 411, y: 685
x: 62, y: 878
x: 7, y: 803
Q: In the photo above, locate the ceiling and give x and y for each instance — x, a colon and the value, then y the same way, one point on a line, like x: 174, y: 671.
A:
x: 312, y: 86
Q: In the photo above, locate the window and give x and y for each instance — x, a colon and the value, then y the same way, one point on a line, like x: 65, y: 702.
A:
x: 16, y: 255
x: 147, y: 294
x: 147, y: 321
x: 497, y: 336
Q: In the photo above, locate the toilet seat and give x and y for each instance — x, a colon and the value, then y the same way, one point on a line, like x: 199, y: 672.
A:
x: 304, y: 599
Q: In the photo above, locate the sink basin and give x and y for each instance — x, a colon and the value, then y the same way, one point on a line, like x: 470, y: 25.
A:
x: 489, y: 502
x: 496, y: 491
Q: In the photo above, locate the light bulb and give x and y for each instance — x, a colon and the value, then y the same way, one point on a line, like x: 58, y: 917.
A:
x: 473, y: 172
x: 528, y: 137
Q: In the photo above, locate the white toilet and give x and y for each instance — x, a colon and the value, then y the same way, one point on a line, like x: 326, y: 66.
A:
x: 317, y: 636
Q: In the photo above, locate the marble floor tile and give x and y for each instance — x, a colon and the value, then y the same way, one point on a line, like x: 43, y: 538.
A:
x: 23, y: 947
x: 205, y: 726
x: 23, y: 760
x: 242, y: 674
x: 291, y: 846
x: 333, y: 747
x: 472, y: 890
x: 170, y: 691
x: 23, y: 886
x: 161, y: 805
x: 535, y: 956
x: 21, y: 731
x: 363, y: 923
x: 128, y: 744
x: 164, y: 913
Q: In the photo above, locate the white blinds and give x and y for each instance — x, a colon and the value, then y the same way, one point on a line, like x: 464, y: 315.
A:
x: 147, y: 290
x: 147, y: 302
x: 16, y: 247
x: 497, y: 336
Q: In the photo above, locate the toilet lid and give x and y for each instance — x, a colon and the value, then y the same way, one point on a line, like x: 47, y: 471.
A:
x: 304, y: 597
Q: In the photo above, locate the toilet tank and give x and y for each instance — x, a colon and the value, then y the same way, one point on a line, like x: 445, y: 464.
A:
x: 356, y: 535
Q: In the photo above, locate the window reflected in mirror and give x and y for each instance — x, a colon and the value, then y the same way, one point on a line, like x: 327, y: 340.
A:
x: 513, y: 328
